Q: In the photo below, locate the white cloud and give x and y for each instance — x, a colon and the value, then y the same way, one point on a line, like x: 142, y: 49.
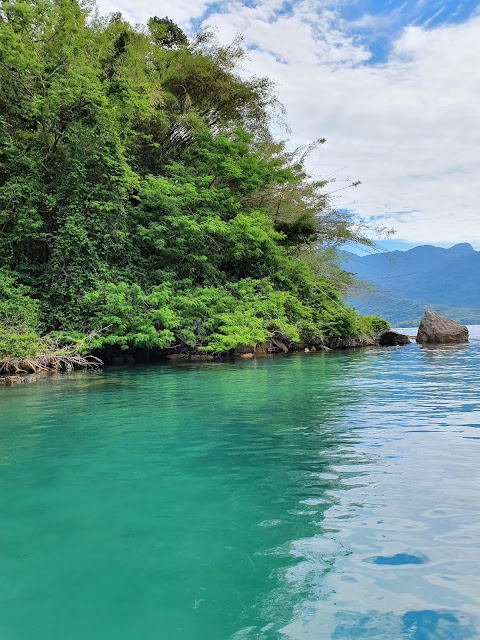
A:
x: 409, y: 128
x: 180, y: 11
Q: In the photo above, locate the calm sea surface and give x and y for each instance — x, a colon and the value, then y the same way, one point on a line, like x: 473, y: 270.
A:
x: 307, y: 497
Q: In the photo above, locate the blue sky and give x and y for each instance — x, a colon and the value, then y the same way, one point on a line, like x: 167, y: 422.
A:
x: 396, y: 15
x: 393, y: 86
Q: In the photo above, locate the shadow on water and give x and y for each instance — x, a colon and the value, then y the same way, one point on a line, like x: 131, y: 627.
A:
x: 398, y: 559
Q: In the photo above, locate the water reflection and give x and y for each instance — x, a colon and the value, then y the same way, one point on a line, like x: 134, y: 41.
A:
x: 320, y: 497
x: 413, y: 625
x: 414, y: 504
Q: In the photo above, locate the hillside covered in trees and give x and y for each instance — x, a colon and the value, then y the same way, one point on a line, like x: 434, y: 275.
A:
x: 144, y: 204
x: 402, y: 284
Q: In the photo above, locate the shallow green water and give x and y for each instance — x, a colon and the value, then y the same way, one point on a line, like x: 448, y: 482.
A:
x: 308, y: 497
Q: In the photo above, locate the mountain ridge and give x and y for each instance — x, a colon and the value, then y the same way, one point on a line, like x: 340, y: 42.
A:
x: 400, y: 285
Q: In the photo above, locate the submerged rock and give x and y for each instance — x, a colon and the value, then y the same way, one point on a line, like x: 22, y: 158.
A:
x: 392, y: 338
x: 436, y: 329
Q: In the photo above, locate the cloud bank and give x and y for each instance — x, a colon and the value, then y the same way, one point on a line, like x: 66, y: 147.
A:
x: 407, y: 126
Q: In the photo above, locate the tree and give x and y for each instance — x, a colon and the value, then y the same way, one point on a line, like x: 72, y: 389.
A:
x: 142, y: 196
x: 166, y: 33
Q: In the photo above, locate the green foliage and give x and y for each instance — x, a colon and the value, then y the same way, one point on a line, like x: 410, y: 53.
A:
x: 129, y: 318
x: 143, y: 202
x: 15, y: 304
x: 166, y: 33
x: 373, y: 324
x: 18, y: 343
x: 19, y: 317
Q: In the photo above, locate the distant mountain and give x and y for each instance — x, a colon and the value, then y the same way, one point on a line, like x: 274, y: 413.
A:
x: 400, y: 285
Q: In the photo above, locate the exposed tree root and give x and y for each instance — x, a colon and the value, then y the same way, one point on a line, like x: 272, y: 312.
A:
x: 52, y: 357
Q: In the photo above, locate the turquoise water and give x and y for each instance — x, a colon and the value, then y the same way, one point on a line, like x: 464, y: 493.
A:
x: 305, y: 497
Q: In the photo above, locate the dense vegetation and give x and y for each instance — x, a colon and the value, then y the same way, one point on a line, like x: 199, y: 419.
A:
x: 143, y: 201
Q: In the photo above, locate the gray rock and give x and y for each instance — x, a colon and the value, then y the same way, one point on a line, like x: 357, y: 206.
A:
x: 242, y: 349
x: 296, y: 346
x: 436, y: 329
x: 392, y: 338
x: 352, y: 342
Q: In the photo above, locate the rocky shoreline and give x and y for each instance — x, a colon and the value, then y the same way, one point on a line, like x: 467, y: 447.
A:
x: 433, y: 329
x: 27, y: 372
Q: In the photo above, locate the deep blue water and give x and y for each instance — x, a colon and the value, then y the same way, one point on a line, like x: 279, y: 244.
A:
x: 306, y: 497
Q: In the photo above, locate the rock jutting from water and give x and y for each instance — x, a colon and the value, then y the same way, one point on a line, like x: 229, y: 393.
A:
x: 436, y: 329
x: 392, y: 339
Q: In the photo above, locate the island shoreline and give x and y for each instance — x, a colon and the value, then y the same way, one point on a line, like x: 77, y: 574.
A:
x: 268, y: 348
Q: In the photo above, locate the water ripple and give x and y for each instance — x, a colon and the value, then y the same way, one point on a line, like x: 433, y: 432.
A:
x: 329, y: 496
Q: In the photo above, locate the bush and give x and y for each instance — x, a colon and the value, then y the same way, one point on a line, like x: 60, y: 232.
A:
x: 373, y: 324
x: 19, y: 317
